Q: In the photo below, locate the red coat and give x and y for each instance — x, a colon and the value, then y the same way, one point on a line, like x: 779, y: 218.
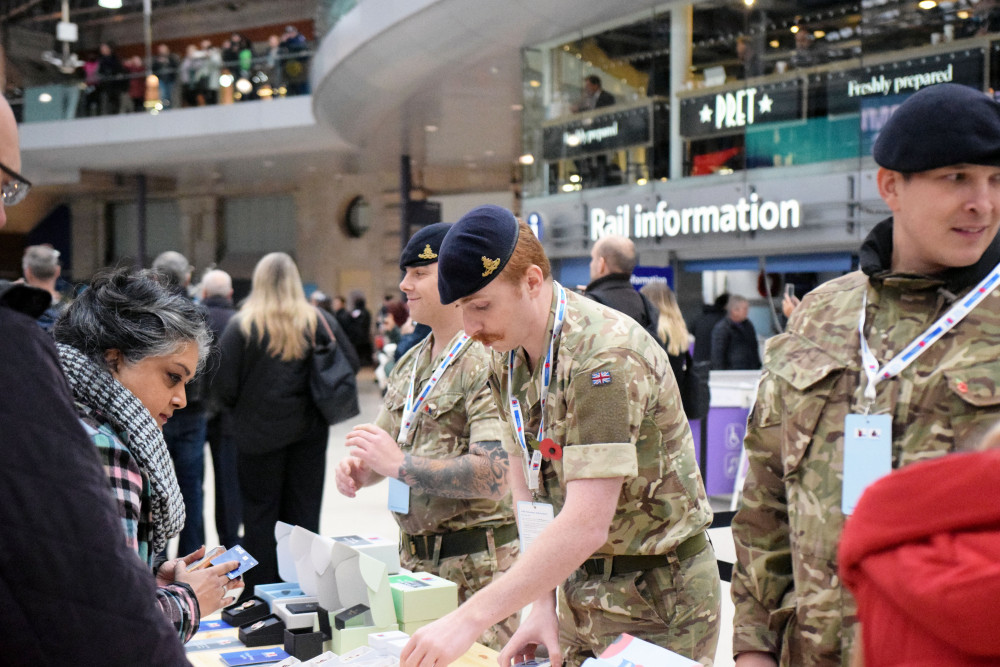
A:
x: 922, y: 556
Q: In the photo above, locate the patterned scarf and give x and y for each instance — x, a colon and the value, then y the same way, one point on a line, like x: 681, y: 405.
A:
x: 94, y: 386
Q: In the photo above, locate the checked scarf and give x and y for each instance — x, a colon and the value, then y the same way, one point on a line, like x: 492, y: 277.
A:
x: 94, y: 386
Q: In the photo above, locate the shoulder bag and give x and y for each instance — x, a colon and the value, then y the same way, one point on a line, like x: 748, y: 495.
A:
x: 332, y: 382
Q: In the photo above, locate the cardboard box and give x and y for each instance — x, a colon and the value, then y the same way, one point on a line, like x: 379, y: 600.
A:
x: 409, y: 627
x: 384, y: 550
x: 420, y: 596
x: 295, y: 619
x: 280, y: 591
x: 341, y: 577
x: 380, y: 640
x: 286, y: 564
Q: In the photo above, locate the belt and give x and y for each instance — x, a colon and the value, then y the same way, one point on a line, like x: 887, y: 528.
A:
x: 626, y: 564
x: 459, y: 543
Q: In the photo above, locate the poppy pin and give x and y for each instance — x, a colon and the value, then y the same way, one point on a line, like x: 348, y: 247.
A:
x: 962, y: 387
x: 550, y: 450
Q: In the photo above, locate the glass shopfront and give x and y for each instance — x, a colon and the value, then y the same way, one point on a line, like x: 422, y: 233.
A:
x: 715, y: 88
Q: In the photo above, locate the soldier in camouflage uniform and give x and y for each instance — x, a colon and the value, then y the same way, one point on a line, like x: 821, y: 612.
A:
x: 627, y: 545
x: 459, y: 524
x: 940, y: 175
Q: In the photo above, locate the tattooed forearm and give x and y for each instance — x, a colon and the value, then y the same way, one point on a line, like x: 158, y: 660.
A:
x: 482, y: 473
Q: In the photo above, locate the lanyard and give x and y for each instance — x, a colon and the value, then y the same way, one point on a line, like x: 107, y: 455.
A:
x: 515, y: 405
x: 411, y: 407
x: 920, y: 344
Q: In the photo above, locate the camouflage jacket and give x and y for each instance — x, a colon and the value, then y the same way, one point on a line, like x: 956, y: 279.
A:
x: 614, y: 408
x: 788, y: 597
x: 459, y: 410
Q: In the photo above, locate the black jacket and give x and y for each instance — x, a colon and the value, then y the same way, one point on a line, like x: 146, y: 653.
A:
x: 269, y: 398
x: 702, y: 330
x: 615, y: 290
x: 734, y: 346
x: 71, y: 591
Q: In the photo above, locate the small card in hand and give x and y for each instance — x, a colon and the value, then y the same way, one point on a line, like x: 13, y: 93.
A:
x: 237, y: 553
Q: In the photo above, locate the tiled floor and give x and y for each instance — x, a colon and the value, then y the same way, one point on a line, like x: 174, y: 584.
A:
x: 367, y: 513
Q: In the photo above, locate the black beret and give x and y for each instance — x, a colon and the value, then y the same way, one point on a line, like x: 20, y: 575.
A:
x: 475, y: 251
x: 939, y: 126
x: 423, y: 247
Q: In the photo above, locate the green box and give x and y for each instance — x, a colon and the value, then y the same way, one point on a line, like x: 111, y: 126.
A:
x: 420, y: 596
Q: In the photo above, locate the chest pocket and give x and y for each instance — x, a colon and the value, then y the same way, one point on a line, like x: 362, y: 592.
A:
x: 974, y: 402
x: 809, y: 382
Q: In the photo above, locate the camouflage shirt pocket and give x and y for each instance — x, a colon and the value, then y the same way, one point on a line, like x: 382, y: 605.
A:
x: 977, y: 408
x: 438, y: 405
x: 808, y: 379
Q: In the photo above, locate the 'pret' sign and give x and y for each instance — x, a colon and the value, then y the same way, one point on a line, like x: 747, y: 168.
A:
x: 746, y: 215
x: 735, y: 110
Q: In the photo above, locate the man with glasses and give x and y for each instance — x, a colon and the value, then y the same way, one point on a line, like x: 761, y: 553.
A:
x: 71, y: 591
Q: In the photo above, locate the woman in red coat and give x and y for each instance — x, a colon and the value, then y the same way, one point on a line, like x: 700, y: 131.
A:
x: 921, y: 554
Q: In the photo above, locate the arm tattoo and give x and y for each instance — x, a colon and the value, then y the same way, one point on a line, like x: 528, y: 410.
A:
x: 482, y: 473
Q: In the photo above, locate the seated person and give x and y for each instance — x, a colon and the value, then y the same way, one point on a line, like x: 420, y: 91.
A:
x: 128, y: 345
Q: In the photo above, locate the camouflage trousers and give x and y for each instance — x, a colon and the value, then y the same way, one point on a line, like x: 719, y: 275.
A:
x: 676, y: 606
x: 472, y: 573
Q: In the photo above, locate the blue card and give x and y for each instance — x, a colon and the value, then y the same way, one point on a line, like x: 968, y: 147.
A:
x: 214, y: 624
x: 867, y: 455
x: 213, y: 644
x: 399, y: 496
x: 237, y: 553
x: 259, y: 656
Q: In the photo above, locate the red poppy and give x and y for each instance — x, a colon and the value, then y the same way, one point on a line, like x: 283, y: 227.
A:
x: 550, y: 450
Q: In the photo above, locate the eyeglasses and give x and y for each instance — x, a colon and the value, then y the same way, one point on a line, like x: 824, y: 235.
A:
x: 16, y: 189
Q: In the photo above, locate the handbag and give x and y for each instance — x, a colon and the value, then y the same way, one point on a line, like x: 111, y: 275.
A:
x: 332, y: 383
x: 693, y: 384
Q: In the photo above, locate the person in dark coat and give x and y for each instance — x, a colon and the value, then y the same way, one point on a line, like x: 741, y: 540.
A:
x: 734, y: 339
x: 280, y: 434
x: 702, y: 327
x: 359, y: 329
x: 612, y: 260
x: 217, y: 299
x: 71, y: 591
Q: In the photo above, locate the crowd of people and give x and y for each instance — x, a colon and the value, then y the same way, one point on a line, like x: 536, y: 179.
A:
x: 112, y: 84
x: 532, y: 411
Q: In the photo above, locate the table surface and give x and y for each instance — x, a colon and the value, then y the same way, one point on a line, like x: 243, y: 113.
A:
x: 477, y: 656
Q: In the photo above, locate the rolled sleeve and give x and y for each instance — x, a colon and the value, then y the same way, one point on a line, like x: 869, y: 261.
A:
x: 600, y: 461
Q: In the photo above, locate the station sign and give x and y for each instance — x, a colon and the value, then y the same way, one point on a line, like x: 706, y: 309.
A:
x: 734, y: 111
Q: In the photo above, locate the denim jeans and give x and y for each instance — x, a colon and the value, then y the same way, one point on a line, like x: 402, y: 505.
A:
x: 185, y: 436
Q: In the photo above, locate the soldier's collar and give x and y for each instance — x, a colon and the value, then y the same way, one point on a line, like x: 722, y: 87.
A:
x: 875, y: 258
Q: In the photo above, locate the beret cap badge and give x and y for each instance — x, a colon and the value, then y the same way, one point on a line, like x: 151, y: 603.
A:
x: 490, y: 265
x: 427, y: 253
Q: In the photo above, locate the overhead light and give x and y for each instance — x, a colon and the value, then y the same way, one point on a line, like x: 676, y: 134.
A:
x: 535, y: 83
x: 110, y: 4
x: 45, y: 98
x: 927, y: 4
x: 244, y: 86
x: 568, y: 187
x: 963, y: 14
x: 774, y: 43
x: 574, y: 178
x: 430, y: 128
x: 641, y: 181
x: 794, y: 29
x: 226, y: 80
x: 516, y: 107
x: 748, y: 3
x: 819, y: 34
x: 527, y: 158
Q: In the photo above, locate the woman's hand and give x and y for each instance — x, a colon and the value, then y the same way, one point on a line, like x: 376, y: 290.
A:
x: 211, y: 586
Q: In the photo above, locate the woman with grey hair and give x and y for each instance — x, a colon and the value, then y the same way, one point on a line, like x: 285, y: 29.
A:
x: 128, y: 345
